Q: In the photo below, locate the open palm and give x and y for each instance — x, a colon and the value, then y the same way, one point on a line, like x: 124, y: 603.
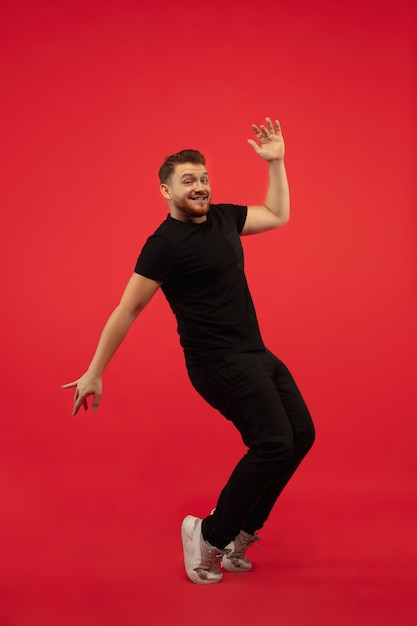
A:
x: 271, y: 145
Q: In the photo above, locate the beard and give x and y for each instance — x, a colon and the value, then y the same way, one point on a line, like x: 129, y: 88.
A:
x: 193, y: 208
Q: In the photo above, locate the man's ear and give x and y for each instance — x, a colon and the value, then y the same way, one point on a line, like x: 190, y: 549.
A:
x: 165, y: 191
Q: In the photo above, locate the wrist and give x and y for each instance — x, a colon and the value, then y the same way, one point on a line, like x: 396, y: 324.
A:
x: 95, y: 372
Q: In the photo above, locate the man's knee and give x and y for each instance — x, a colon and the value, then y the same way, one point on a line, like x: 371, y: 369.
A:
x: 274, y: 452
x: 305, y: 438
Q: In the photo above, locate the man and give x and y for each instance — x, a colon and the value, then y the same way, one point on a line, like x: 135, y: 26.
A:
x: 196, y: 257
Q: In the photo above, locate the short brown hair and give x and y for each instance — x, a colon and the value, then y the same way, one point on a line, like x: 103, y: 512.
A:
x: 184, y: 156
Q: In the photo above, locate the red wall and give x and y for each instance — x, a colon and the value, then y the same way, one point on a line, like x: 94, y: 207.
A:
x: 95, y: 94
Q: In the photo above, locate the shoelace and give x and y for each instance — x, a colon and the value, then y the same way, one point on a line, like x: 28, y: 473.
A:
x: 214, y: 556
x: 244, y: 542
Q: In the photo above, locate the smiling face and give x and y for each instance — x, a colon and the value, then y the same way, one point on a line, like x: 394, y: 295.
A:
x: 188, y: 192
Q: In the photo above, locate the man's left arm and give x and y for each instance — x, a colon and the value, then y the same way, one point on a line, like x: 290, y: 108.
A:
x: 276, y: 209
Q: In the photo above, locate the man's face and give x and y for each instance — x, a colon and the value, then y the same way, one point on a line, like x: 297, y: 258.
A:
x: 188, y: 191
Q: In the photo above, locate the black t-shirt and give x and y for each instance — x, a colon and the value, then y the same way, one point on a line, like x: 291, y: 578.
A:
x: 202, y: 273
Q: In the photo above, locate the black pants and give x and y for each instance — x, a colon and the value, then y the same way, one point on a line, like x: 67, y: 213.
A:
x: 255, y: 391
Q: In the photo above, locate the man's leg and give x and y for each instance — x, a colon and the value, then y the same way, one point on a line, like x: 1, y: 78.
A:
x: 242, y: 387
x: 303, y: 436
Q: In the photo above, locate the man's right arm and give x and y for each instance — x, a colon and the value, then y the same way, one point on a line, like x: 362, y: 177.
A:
x: 139, y: 291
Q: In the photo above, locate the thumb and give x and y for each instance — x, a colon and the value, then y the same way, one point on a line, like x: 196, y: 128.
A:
x: 253, y: 144
x: 69, y: 385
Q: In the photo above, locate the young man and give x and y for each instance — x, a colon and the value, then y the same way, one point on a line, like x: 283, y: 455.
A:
x: 196, y: 257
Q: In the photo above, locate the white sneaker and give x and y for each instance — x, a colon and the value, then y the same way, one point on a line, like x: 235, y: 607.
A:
x: 200, y: 558
x: 236, y: 561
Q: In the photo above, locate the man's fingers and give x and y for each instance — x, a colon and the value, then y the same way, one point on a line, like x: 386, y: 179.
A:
x: 256, y: 130
x: 78, y: 401
x: 269, y: 124
x: 262, y: 131
x: 82, y: 401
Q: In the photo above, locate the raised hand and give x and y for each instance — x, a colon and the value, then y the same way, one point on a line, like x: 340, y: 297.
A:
x: 271, y: 145
x: 84, y: 387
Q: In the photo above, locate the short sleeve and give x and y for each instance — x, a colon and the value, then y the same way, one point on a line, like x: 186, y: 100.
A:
x: 236, y: 213
x: 156, y: 260
x: 241, y: 214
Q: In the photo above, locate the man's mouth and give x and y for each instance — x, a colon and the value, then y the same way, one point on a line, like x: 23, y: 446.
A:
x: 199, y: 198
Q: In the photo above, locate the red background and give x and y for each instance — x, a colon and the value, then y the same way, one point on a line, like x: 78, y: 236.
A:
x: 95, y: 94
